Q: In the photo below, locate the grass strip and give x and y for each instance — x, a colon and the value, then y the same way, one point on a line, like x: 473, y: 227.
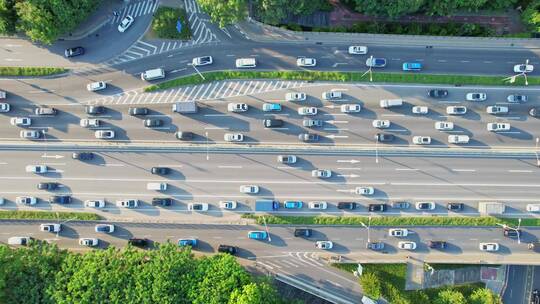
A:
x: 48, y: 215
x: 392, y: 279
x: 341, y: 77
x: 390, y: 220
x: 30, y: 71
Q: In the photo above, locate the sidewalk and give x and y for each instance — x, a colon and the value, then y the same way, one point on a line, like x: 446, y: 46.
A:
x: 260, y: 32
x: 97, y: 20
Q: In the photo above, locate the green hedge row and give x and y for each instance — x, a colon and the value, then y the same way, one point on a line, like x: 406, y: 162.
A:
x: 30, y: 71
x: 48, y: 215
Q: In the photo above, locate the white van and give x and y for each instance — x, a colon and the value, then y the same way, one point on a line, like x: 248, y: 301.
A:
x: 156, y: 186
x: 153, y: 74
x: 458, y: 139
x: 388, y: 103
x: 246, y: 62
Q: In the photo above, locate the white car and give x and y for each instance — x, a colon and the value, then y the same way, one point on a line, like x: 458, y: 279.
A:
x: 458, y: 139
x: 476, y: 96
x: 21, y: 121
x: 358, y: 50
x: 30, y: 134
x: 408, y: 245
x: 420, y: 110
x: 104, y: 134
x: 533, y: 207
x: 364, y: 190
x: 421, y: 140
x: 90, y: 242
x: 50, y: 227
x: 444, y: 126
x: 96, y: 86
x: 350, y: 108
x: 4, y: 107
x: 456, y: 110
x: 26, y: 200
x: 249, y: 189
x: 325, y: 245
x: 307, y: 111
x: 230, y: 205
x: 332, y: 95
x: 318, y: 205
x: 90, y: 123
x: 489, y: 247
x: 233, y: 137
x: 39, y: 169
x: 498, y: 126
x: 201, y: 61
x: 127, y: 203
x: 295, y: 96
x: 497, y: 110
x: 19, y: 240
x: 425, y: 206
x: 125, y: 24
x: 398, y: 232
x: 306, y: 62
x: 198, y: 207
x: 104, y: 228
x: 320, y: 173
x: 95, y: 203
x: 237, y: 107
x: 523, y: 68
x: 381, y: 124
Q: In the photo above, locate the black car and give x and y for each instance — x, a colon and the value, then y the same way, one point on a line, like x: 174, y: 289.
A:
x: 82, y: 155
x: 227, y: 249
x: 534, y: 112
x: 60, y: 199
x: 160, y: 170
x: 347, y: 205
x: 375, y: 246
x: 138, y: 242
x: 95, y: 110
x: 162, y: 201
x: 511, y: 233
x: 74, y: 51
x: 438, y: 93
x: 302, y: 232
x: 455, y: 206
x: 384, y: 137
x: 377, y: 207
x: 183, y: 135
x: 48, y: 186
x: 137, y: 111
x: 308, y: 137
x: 437, y: 244
x: 272, y: 123
x: 152, y: 123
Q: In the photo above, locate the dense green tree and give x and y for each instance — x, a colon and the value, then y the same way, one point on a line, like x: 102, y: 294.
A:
x: 531, y: 16
x: 225, y: 12
x: 272, y: 11
x: 484, y: 296
x: 371, y: 285
x: 255, y: 293
x: 8, y: 17
x: 449, y: 296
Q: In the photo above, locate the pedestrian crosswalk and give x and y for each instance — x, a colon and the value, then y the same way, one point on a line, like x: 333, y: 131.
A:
x: 291, y: 260
x: 135, y: 9
x: 209, y: 91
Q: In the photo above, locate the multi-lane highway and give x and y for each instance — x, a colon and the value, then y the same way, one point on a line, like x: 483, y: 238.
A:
x: 214, y: 177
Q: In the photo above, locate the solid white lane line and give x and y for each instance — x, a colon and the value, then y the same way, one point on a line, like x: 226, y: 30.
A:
x: 230, y: 167
x: 464, y: 170
x: 520, y: 171
x: 406, y: 169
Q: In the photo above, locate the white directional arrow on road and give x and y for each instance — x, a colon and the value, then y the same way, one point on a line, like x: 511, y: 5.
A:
x: 179, y: 70
x: 330, y: 106
x: 338, y: 63
x: 336, y: 121
x: 345, y: 190
x: 348, y: 175
x: 352, y: 161
x: 337, y: 136
x: 52, y: 156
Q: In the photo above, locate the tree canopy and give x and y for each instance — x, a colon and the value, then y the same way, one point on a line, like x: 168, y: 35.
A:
x: 225, y: 12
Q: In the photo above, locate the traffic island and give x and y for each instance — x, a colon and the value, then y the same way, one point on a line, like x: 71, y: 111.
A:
x: 31, y: 71
x: 170, y: 23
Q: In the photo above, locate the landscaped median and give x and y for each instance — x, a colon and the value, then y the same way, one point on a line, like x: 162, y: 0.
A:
x: 389, y: 220
x: 30, y: 71
x: 48, y: 215
x: 342, y: 77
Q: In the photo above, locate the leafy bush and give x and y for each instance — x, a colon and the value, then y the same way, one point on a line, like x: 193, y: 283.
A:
x: 20, y: 214
x: 371, y: 285
x: 165, y: 20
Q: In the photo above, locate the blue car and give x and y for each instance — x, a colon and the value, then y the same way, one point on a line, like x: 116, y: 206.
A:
x: 187, y: 242
x: 257, y: 235
x: 293, y: 204
x: 271, y: 107
x: 412, y: 66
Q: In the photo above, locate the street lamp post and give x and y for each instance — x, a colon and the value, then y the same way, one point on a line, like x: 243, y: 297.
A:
x: 504, y: 226
x: 369, y: 69
x: 367, y: 227
x: 376, y: 151
x: 197, y: 70
x: 267, y: 231
x: 207, y: 147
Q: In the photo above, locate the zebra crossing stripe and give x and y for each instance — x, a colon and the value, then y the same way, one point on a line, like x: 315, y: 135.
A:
x: 289, y: 263
x: 200, y: 89
x: 254, y: 88
x: 148, y: 44
x: 240, y: 89
x: 206, y: 91
x: 217, y: 93
x: 234, y: 89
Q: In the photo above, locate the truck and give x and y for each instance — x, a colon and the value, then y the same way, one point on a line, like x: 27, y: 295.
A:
x: 185, y: 107
x: 266, y: 205
x: 490, y: 208
x: 389, y: 103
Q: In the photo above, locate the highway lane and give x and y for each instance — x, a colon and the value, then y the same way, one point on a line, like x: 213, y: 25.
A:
x: 194, y: 178
x: 213, y: 119
x: 348, y: 241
